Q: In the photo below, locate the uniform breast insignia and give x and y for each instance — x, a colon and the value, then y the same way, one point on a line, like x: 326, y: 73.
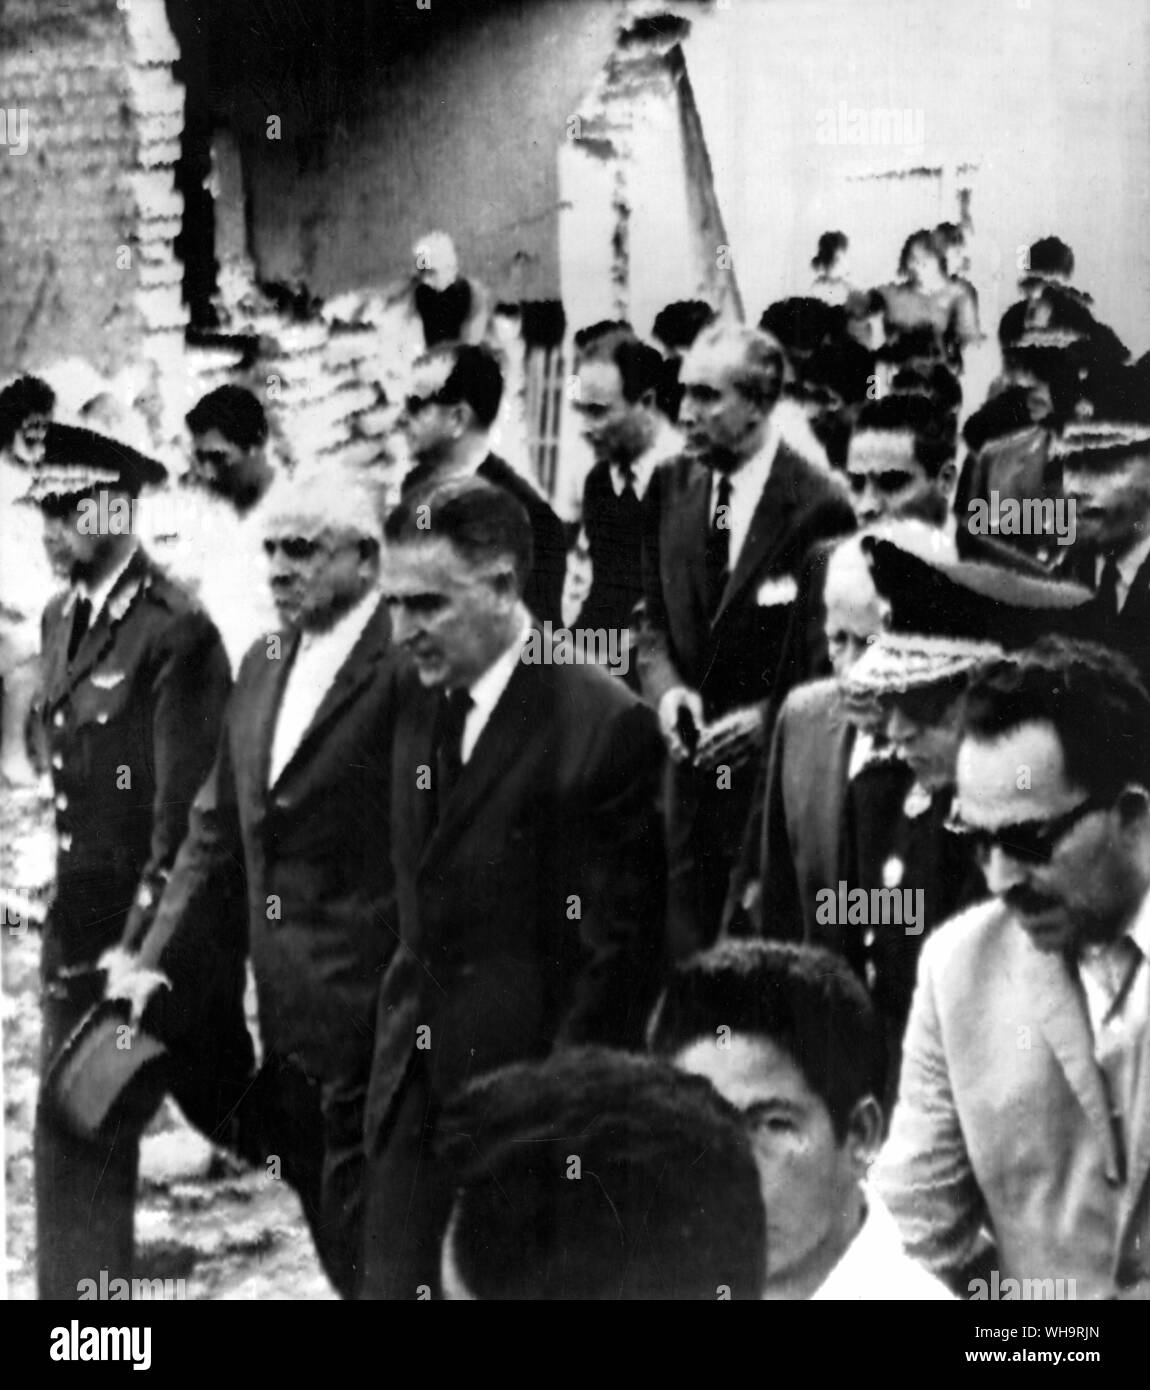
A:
x: 106, y: 680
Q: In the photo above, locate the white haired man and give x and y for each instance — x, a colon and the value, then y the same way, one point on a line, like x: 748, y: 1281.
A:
x: 287, y: 854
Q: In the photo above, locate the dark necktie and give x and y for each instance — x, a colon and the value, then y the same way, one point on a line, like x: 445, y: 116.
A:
x: 627, y: 471
x: 718, y: 555
x: 1106, y: 594
x: 81, y: 618
x: 448, y: 742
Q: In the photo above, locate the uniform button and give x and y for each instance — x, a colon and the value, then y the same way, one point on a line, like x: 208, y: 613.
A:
x: 102, y: 717
x: 58, y: 719
x: 66, y: 843
x: 62, y: 801
x: 869, y: 937
x: 57, y: 761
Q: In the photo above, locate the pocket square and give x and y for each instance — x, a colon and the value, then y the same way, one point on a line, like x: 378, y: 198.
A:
x: 780, y: 588
x: 107, y: 680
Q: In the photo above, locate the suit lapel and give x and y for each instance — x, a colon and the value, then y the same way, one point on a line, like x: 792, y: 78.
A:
x: 1065, y: 1023
x: 692, y: 511
x: 1138, y: 1131
x: 515, y: 723
x: 769, y: 526
x: 117, y: 606
x: 261, y: 707
x: 359, y: 668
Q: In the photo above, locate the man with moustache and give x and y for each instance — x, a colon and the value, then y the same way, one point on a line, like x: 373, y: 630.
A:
x: 286, y: 857
x: 726, y: 529
x: 134, y: 680
x: 1024, y: 1106
x: 527, y: 853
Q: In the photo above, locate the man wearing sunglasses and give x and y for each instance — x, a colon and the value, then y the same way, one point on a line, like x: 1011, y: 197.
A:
x: 455, y: 398
x: 287, y: 856
x: 1023, y: 1114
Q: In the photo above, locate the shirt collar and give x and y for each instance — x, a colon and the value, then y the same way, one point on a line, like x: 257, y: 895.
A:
x: 348, y: 627
x: 98, y: 596
x: 666, y: 444
x: 486, y: 689
x: 1130, y: 563
x: 751, y: 478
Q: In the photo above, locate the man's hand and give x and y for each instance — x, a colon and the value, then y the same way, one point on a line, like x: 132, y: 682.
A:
x: 732, y: 739
x: 127, y: 979
x: 675, y: 700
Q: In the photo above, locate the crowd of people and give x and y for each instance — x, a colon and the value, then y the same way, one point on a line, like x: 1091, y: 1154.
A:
x: 802, y: 953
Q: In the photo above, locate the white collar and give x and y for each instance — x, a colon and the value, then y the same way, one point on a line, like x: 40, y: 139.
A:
x: 666, y: 443
x: 1137, y: 929
x: 1130, y: 563
x: 875, y: 1264
x: 486, y: 689
x: 750, y: 478
x: 98, y: 596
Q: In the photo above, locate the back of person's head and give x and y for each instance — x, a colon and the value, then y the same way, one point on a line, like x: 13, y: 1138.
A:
x: 931, y: 428
x: 1093, y: 697
x: 474, y: 378
x: 934, y: 380
x: 1050, y: 255
x: 677, y: 325
x: 600, y: 1175
x: 25, y: 396
x: 585, y: 337
x: 831, y: 246
x: 641, y: 367
x: 481, y: 522
x: 234, y: 412
x: 803, y: 999
x: 803, y: 324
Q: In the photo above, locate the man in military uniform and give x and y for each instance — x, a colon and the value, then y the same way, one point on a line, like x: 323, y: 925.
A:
x: 133, y: 687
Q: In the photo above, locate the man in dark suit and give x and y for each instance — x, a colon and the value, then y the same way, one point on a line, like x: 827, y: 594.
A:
x: 455, y: 398
x: 619, y: 379
x: 726, y: 528
x: 296, y: 806
x: 1106, y: 478
x: 527, y: 851
x: 134, y: 679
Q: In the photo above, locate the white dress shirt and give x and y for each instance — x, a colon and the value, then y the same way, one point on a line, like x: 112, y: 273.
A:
x: 1128, y: 567
x: 747, y: 486
x: 666, y: 444
x: 875, y: 1265
x: 487, y: 690
x: 318, y: 660
x: 1118, y: 1020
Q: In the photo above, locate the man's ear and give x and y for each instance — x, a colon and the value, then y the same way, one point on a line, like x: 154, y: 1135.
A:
x: 864, y: 1133
x: 947, y: 477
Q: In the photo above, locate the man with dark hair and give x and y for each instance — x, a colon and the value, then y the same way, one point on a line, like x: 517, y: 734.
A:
x: 453, y: 403
x: 1051, y: 301
x: 229, y: 433
x: 675, y: 329
x: 618, y: 378
x: 600, y: 1175
x: 788, y: 1036
x: 900, y: 460
x: 727, y: 527
x: 134, y: 681
x: 1024, y: 1106
x: 1105, y: 465
x: 526, y: 846
x: 25, y: 580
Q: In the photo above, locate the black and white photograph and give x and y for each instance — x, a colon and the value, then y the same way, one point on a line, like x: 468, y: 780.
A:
x: 575, y: 660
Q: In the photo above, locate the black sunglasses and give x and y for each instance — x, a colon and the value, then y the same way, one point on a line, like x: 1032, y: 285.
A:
x: 889, y: 480
x: 1033, y: 841
x: 294, y: 547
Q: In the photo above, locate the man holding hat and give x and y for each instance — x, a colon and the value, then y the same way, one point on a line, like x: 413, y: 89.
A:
x: 134, y: 682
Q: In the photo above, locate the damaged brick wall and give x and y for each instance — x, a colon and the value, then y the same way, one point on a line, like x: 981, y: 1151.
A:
x: 88, y: 212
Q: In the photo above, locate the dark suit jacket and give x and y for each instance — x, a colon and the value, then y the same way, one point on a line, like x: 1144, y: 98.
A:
x: 130, y: 727
x: 311, y: 852
x: 530, y: 914
x: 614, y: 529
x: 543, y: 592
x: 733, y: 658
